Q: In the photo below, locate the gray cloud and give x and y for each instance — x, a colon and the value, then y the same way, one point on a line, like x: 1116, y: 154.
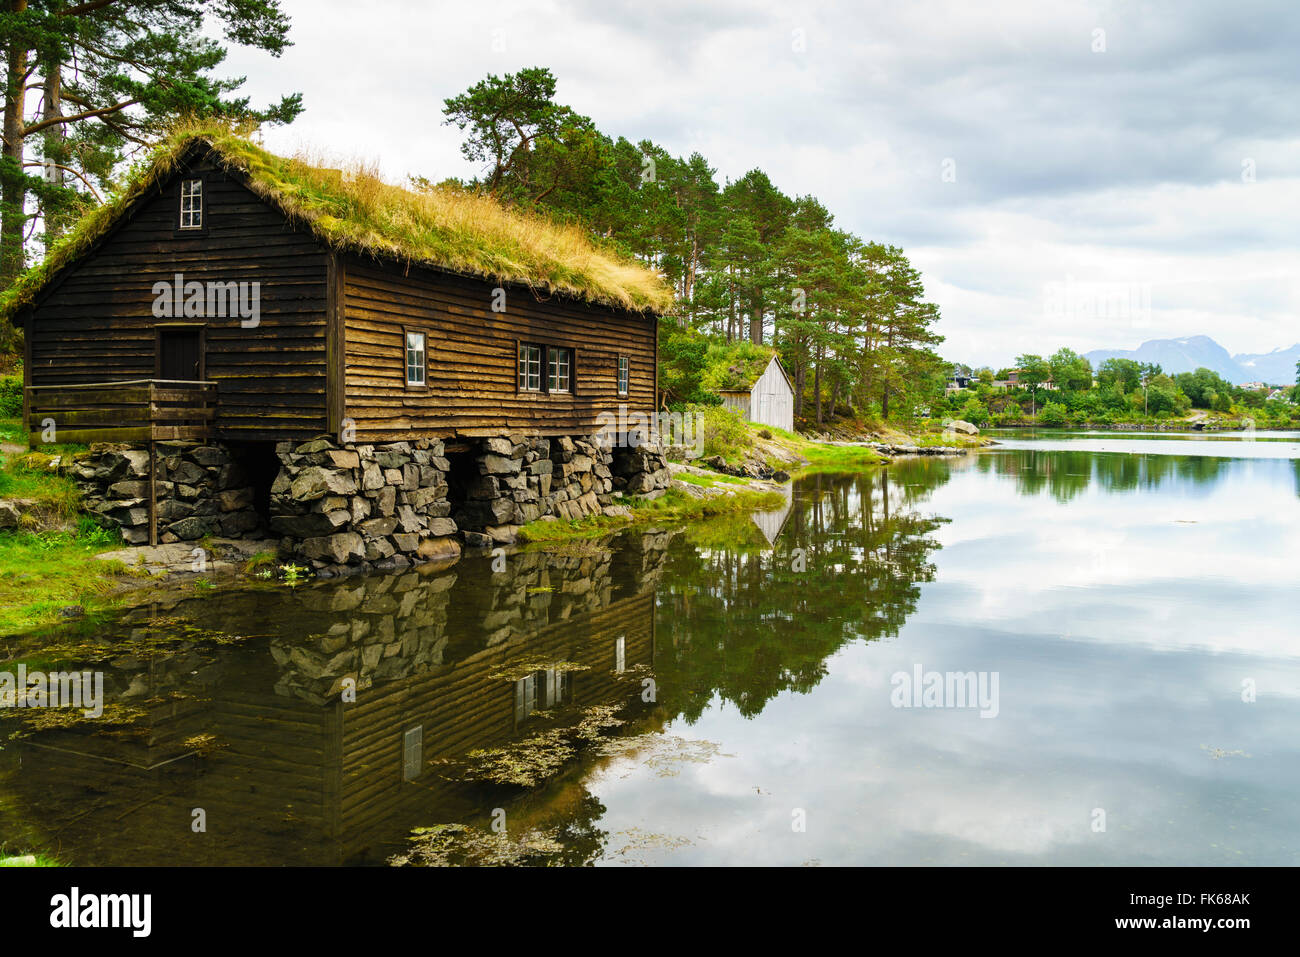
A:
x: 1123, y: 165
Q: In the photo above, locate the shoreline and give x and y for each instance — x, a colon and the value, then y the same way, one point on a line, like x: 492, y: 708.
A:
x: 64, y: 574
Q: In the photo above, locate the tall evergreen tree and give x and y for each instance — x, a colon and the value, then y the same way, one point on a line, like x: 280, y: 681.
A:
x: 111, y: 74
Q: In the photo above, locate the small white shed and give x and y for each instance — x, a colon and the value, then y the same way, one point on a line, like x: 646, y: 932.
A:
x: 769, y: 401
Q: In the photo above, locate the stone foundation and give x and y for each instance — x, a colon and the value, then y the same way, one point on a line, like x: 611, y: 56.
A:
x: 201, y: 491
x: 520, y: 480
x: 385, y: 506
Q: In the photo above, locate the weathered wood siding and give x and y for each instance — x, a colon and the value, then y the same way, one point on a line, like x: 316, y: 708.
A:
x: 771, y: 401
x: 737, y: 402
x: 472, y: 354
x: 97, y: 323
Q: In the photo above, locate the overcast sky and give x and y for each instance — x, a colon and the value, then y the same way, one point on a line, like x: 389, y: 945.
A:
x: 1081, y: 174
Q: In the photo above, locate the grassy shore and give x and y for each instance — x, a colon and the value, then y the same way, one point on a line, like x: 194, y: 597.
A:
x: 29, y: 860
x: 48, y: 564
x: 673, y: 507
x: 49, y: 568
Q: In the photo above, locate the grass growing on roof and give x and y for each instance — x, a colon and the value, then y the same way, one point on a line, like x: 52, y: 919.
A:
x: 734, y: 366
x: 355, y: 210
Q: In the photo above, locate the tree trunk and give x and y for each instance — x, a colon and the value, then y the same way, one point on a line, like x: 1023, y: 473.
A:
x: 800, y: 376
x: 817, y: 384
x: 13, y: 193
x: 731, y: 306
x: 756, y: 321
x: 52, y: 94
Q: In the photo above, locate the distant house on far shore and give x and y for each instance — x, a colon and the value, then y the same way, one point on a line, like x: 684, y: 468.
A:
x: 768, y: 400
x: 1012, y: 381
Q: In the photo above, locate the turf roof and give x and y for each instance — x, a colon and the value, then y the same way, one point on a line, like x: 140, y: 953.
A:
x: 356, y: 211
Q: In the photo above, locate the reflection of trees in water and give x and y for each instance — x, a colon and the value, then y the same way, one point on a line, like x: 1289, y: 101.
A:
x: 1066, y: 474
x: 744, y: 622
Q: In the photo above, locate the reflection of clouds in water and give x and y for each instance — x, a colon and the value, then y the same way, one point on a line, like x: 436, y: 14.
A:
x: 1083, y: 727
x: 1116, y: 676
x: 1172, y: 571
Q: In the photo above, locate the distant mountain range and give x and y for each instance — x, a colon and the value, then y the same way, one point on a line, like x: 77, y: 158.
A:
x: 1188, y: 355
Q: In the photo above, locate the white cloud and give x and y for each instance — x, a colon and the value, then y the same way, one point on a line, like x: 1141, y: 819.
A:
x: 1122, y: 166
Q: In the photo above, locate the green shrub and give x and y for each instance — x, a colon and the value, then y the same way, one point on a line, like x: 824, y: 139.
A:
x: 724, y: 432
x: 1054, y: 414
x: 11, y: 396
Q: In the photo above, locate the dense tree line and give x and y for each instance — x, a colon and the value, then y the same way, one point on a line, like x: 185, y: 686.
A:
x: 1064, y: 389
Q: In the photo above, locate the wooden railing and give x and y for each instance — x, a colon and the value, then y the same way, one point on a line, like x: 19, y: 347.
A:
x: 139, y: 410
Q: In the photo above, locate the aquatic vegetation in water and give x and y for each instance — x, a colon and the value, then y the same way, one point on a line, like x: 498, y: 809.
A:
x: 536, y: 759
x: 527, y: 666
x: 525, y: 763
x: 151, y: 638
x: 458, y: 845
x: 1218, y: 753
x: 664, y: 754
x: 205, y: 744
x: 293, y: 574
x: 116, y: 721
x: 637, y: 841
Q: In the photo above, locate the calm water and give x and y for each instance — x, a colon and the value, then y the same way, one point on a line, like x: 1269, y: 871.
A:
x: 727, y: 694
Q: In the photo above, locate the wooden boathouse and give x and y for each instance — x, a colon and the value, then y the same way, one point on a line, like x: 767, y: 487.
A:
x: 255, y: 306
x: 238, y: 295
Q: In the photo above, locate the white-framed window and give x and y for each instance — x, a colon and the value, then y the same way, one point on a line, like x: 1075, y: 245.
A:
x: 558, y: 369
x: 416, y: 360
x: 540, y: 691
x: 412, y: 753
x: 191, y: 204
x: 623, y: 367
x: 530, y: 368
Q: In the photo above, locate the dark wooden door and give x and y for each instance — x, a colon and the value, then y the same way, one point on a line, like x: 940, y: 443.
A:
x: 180, y: 354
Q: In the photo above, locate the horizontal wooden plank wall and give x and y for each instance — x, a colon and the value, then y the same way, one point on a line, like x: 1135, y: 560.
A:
x: 461, y: 707
x: 97, y: 323
x: 472, y: 353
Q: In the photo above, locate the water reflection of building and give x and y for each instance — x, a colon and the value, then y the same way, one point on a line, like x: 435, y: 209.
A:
x: 771, y: 521
x: 443, y: 664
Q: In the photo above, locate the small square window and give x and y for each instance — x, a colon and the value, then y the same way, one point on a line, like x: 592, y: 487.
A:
x: 622, y: 375
x: 530, y: 368
x: 559, y: 366
x: 415, y: 358
x: 192, y: 204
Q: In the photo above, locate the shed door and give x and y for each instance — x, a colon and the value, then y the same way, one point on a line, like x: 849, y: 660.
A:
x: 179, y: 354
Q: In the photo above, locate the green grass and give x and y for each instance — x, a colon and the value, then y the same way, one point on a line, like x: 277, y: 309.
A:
x: 673, y: 507
x: 11, y: 430
x: 709, y: 481
x: 262, y: 561
x: 822, y: 457
x: 51, y: 565
x: 29, y: 860
x: 43, y: 572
